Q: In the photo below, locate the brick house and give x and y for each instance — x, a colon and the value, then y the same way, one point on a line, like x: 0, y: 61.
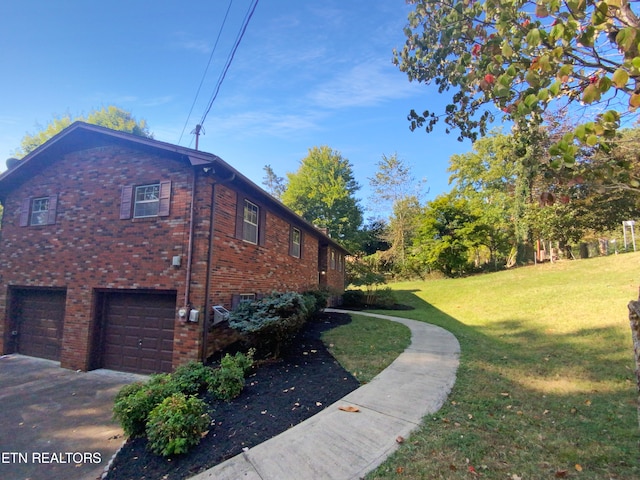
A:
x: 115, y: 248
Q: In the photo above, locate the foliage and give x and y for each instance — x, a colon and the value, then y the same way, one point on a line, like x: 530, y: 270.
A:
x: 177, y: 424
x: 353, y: 298
x: 274, y: 184
x: 396, y: 189
x: 446, y: 235
x: 228, y: 380
x: 192, y: 378
x: 371, y: 238
x: 315, y: 301
x: 526, y: 58
x: 322, y: 191
x: 134, y: 402
x: 270, y: 322
x: 110, y: 117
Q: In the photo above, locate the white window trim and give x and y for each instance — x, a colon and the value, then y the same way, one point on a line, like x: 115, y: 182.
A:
x: 137, y: 202
x: 247, y: 222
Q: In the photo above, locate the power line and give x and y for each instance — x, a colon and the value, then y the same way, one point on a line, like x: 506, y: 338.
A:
x: 241, y: 33
x: 224, y: 21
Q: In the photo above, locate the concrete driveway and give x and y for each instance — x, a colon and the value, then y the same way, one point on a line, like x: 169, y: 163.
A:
x: 56, y: 423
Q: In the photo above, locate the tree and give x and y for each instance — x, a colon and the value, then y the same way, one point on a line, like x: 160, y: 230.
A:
x: 396, y: 189
x: 487, y: 179
x: 274, y: 184
x: 110, y: 117
x: 447, y: 233
x: 526, y: 58
x: 322, y: 191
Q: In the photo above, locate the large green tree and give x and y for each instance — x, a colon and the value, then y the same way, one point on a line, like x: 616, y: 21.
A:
x: 322, y: 191
x: 110, y: 117
x: 522, y: 58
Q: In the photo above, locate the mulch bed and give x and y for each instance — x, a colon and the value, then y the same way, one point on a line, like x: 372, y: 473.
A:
x: 277, y: 396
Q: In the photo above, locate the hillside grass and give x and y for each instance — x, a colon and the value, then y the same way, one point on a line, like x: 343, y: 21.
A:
x: 545, y: 387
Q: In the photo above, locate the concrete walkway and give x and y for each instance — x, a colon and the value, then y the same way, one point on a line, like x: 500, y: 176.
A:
x: 338, y: 445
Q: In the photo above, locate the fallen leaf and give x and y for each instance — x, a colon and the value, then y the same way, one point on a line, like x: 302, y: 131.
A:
x: 561, y: 473
x: 587, y: 403
x: 453, y: 468
x: 400, y: 470
x: 578, y: 467
x: 516, y: 477
x: 505, y: 394
x: 399, y: 439
x: 318, y: 404
x: 348, y: 408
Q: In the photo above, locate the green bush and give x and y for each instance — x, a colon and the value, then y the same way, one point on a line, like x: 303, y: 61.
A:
x: 271, y: 322
x: 316, y: 300
x: 177, y: 424
x: 353, y: 298
x: 192, y: 378
x: 228, y: 380
x: 134, y: 402
x: 384, y: 297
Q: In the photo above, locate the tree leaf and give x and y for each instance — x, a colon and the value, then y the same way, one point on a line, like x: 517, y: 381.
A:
x: 620, y: 78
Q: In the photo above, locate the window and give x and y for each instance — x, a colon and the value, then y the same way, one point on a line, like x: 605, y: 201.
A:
x: 332, y: 264
x: 247, y: 297
x: 340, y: 264
x: 38, y: 211
x: 151, y: 200
x: 147, y: 201
x: 250, y: 226
x: 295, y: 247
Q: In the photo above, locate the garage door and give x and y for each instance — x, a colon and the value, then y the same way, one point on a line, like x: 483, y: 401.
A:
x: 39, y: 317
x: 138, y: 332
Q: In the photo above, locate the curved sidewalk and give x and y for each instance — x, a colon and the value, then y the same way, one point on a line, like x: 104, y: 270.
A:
x: 337, y: 445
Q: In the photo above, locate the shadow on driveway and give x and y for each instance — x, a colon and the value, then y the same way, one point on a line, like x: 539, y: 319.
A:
x: 56, y: 423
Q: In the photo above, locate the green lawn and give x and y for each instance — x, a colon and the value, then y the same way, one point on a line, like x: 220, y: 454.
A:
x: 545, y: 387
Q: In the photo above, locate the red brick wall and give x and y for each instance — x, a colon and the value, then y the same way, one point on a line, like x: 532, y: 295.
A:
x: 241, y: 267
x: 90, y: 247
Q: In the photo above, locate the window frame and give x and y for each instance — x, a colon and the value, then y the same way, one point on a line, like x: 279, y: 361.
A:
x: 48, y: 216
x: 248, y: 223
x: 128, y: 200
x: 145, y: 202
x: 295, y: 247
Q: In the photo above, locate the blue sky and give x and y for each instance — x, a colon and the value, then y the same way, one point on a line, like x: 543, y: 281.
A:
x: 306, y: 74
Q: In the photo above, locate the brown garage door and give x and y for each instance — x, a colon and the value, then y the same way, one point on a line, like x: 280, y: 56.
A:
x: 138, y: 332
x: 39, y: 317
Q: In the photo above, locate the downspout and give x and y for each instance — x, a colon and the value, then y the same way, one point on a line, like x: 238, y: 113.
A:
x: 207, y: 284
x: 187, y: 288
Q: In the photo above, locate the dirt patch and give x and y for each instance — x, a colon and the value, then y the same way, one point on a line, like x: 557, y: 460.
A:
x: 277, y: 396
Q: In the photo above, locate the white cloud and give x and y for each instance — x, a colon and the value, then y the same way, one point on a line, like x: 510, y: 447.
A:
x: 366, y: 84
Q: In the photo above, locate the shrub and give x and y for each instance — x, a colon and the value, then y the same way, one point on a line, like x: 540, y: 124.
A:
x: 228, y: 379
x: 134, y: 402
x: 192, y: 378
x: 177, y: 424
x: 271, y: 321
x: 353, y: 298
x: 384, y: 297
x: 316, y: 300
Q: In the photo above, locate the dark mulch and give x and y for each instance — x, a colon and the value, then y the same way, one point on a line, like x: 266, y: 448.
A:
x: 279, y: 395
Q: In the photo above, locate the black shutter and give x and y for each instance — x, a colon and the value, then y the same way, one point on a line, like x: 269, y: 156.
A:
x: 262, y: 225
x: 239, y: 216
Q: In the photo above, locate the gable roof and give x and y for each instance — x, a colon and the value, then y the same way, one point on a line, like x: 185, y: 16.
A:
x: 81, y: 135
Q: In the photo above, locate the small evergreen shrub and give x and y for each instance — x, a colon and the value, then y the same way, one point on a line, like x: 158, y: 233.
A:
x: 134, y: 402
x: 192, y: 378
x: 316, y: 301
x: 177, y: 424
x: 272, y: 321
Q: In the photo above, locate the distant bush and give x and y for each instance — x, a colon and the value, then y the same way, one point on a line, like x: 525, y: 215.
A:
x: 353, y: 298
x: 379, y: 297
x: 271, y: 322
x: 177, y: 424
x: 316, y: 300
x: 384, y: 297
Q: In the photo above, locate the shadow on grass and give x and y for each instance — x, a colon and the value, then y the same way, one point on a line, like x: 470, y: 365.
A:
x: 528, y: 401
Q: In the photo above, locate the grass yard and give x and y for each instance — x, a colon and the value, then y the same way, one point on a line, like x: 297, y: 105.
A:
x: 367, y: 345
x: 545, y: 387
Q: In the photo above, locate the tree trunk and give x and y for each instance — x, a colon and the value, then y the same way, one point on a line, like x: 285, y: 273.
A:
x: 634, y: 320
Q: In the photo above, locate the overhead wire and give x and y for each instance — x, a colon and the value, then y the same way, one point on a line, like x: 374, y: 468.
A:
x: 204, y: 75
x: 230, y: 58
